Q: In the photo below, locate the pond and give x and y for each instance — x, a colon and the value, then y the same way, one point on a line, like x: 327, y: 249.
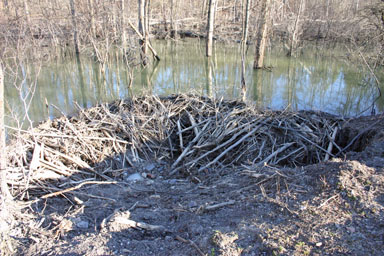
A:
x: 320, y: 79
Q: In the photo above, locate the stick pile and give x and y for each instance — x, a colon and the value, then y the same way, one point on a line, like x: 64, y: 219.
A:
x: 192, y: 133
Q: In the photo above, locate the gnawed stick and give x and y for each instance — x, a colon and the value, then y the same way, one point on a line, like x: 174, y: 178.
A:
x: 213, y: 207
x: 191, y: 243
x: 330, y: 146
x: 287, y: 145
x: 77, y: 187
x: 194, y: 161
x: 142, y: 225
x: 149, y: 44
x: 180, y: 135
x: 189, y: 146
x: 314, y: 144
x: 232, y: 146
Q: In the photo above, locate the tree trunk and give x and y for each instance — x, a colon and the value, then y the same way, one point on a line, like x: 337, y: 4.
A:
x: 210, y: 26
x: 142, y: 29
x: 3, y: 159
x: 75, y: 37
x: 92, y: 14
x: 123, y: 26
x: 244, y: 47
x: 262, y: 38
x: 174, y: 33
x: 296, y: 30
x: 27, y: 14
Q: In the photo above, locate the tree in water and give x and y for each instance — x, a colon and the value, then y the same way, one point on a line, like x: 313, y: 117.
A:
x: 210, y: 26
x: 243, y: 49
x: 262, y: 37
x: 297, y: 30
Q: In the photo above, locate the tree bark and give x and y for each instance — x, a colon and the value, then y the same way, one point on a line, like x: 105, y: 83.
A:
x: 262, y: 38
x: 142, y: 30
x: 210, y: 26
x: 174, y: 33
x: 3, y: 160
x: 296, y: 30
x: 243, y: 48
x: 75, y: 37
x: 123, y: 26
x: 92, y: 16
x: 27, y: 14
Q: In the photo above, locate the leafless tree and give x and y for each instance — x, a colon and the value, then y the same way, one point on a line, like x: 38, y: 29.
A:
x: 244, y: 47
x: 262, y: 37
x: 74, y: 22
x: 210, y: 26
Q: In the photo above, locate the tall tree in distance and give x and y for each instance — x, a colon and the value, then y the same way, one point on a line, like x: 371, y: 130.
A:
x: 297, y: 29
x: 75, y: 36
x: 244, y: 40
x: 262, y: 36
x: 143, y: 41
x: 174, y: 33
x: 210, y: 26
x: 3, y: 160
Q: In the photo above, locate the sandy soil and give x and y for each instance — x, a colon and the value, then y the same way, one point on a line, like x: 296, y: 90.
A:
x: 330, y: 208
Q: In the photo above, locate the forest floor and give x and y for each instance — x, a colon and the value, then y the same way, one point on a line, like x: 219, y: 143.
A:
x: 330, y: 208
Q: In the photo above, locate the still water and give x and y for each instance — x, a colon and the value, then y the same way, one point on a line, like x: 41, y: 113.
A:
x: 320, y: 79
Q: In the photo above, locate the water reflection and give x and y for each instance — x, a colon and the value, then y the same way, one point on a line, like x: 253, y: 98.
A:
x: 313, y: 81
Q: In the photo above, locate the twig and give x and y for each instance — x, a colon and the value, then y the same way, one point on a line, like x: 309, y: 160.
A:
x: 217, y: 206
x: 76, y: 187
x: 189, y: 147
x: 326, y: 201
x: 330, y: 146
x: 191, y: 243
x: 142, y: 225
x: 275, y: 153
x: 358, y: 135
x: 231, y: 147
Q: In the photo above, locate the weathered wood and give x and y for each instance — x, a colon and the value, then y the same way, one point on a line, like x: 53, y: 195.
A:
x: 210, y: 27
x: 149, y: 45
x: 142, y: 41
x: 3, y: 158
x: 243, y: 49
x: 262, y: 38
x: 74, y: 23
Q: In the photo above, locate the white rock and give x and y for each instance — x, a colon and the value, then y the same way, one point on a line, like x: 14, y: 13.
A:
x: 135, y: 177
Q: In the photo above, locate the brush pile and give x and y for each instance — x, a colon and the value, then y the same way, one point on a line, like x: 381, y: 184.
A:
x: 191, y: 133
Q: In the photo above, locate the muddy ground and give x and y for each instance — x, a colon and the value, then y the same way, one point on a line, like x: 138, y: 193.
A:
x: 330, y: 208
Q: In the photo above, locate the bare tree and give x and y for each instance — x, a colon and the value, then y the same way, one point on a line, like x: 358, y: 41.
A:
x: 75, y: 36
x: 3, y: 159
x: 297, y: 29
x: 92, y: 18
x: 210, y: 26
x: 262, y: 38
x: 174, y: 33
x: 244, y: 47
x: 123, y: 25
x: 142, y: 30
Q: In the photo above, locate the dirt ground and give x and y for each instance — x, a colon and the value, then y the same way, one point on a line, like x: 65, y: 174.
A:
x: 330, y: 208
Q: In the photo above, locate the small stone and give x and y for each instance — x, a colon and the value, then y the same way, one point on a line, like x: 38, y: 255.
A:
x: 172, y: 181
x: 149, y: 167
x: 319, y: 244
x: 155, y: 197
x: 82, y: 224
x: 351, y: 229
x: 192, y: 204
x: 135, y: 177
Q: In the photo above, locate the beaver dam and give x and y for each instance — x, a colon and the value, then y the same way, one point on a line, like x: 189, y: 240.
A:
x: 193, y: 135
x: 191, y: 175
